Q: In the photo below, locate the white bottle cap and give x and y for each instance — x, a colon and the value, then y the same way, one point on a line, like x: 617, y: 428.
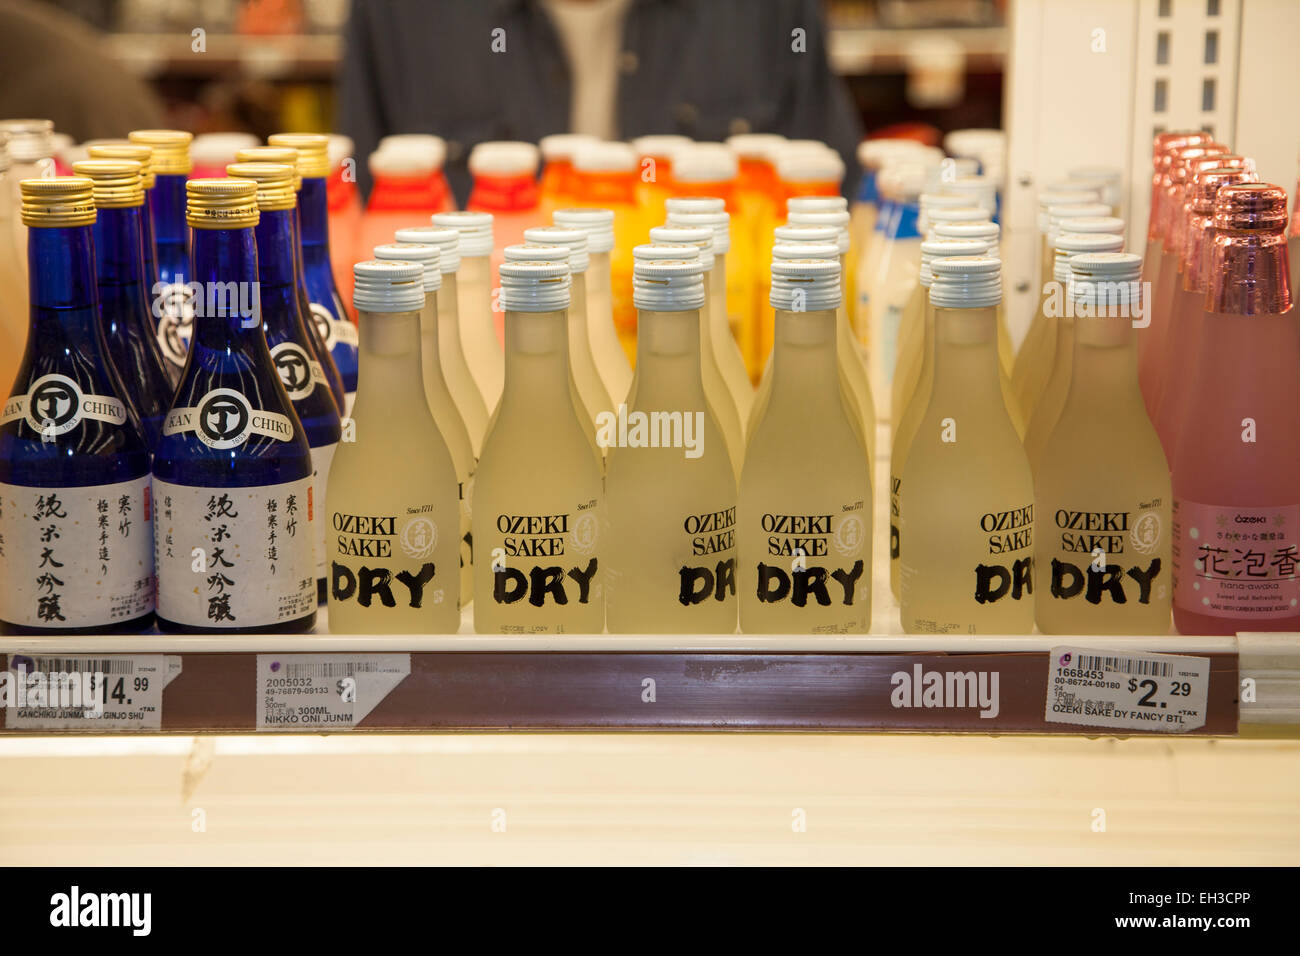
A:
x: 30, y: 140
x: 597, y: 223
x: 698, y: 236
x: 339, y: 148
x: 705, y: 163
x: 219, y: 149
x: 874, y: 153
x: 760, y: 146
x: 975, y: 142
x: 940, y: 214
x: 1107, y: 180
x: 563, y: 145
x: 794, y: 232
x: 1103, y: 279
x: 666, y: 250
x: 1057, y: 213
x: 603, y: 157
x: 388, y: 286
x: 434, y: 147
x: 988, y: 231
x: 979, y: 190
x: 719, y: 222
x: 447, y: 241
x: 825, y: 218
x: 694, y: 204
x: 941, y: 248
x: 805, y: 285
x: 537, y: 252
x: 422, y: 252
x: 660, y: 146
x: 905, y: 181
x: 401, y: 161
x: 574, y: 240
x: 966, y: 282
x: 806, y: 250
x: 941, y: 201
x: 533, y: 286
x: 1059, y: 197
x: 667, y: 285
x: 1112, y: 224
x: 816, y: 204
x: 475, y: 230
x: 1067, y: 245
x: 503, y: 158
x: 797, y: 164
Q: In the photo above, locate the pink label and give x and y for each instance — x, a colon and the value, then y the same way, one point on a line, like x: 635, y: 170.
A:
x: 1236, y: 562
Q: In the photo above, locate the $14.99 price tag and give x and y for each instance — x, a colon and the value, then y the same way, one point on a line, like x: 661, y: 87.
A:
x: 1095, y: 687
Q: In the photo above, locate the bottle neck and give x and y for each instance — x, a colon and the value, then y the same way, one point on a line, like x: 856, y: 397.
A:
x: 148, y: 240
x: 275, y: 248
x: 429, y: 334
x: 391, y: 375
x: 313, y: 214
x: 227, y: 303
x: 1104, y: 370
x: 167, y: 206
x: 598, y: 274
x: 804, y: 363
x: 119, y: 257
x: 578, y: 307
x: 536, y: 359
x: 668, y: 358
x: 966, y: 354
x: 1248, y: 274
x: 476, y: 271
x: 62, y: 286
x: 449, y: 312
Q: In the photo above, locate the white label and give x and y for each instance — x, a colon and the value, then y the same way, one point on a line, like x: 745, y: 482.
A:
x: 320, y: 466
x: 55, y: 404
x: 1100, y: 688
x: 224, y: 418
x: 235, y: 557
x: 76, y: 557
x: 324, y: 691
x: 299, y: 372
x: 113, y: 692
x: 333, y: 331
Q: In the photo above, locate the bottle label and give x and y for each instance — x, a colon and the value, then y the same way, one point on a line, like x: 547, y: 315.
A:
x: 710, y: 571
x: 546, y: 557
x: 386, y: 560
x: 814, y: 560
x: 235, y: 557
x: 174, y: 309
x: 55, y: 404
x: 224, y: 418
x: 76, y: 557
x: 333, y: 331
x: 1236, y: 562
x: 1003, y: 575
x: 1109, y: 556
x: 321, y: 457
x: 299, y: 372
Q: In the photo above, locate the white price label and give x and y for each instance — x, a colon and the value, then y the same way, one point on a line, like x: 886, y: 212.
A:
x: 324, y: 691
x: 88, y: 694
x: 1095, y: 687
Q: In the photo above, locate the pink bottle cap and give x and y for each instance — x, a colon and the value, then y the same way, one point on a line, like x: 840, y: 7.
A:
x: 1248, y: 265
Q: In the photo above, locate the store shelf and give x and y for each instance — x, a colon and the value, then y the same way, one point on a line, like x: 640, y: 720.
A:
x: 855, y: 51
x: 308, y: 56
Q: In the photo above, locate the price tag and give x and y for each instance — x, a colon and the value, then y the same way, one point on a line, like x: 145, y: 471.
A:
x: 88, y: 694
x: 324, y: 691
x: 1166, y: 693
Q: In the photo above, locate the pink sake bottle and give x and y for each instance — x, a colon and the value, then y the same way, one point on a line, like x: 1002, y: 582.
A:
x: 1236, y: 517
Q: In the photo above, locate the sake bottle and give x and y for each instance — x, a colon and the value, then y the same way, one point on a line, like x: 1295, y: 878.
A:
x: 31, y: 153
x: 142, y: 154
x: 1236, y: 497
x: 438, y: 396
x: 538, y: 495
x: 287, y: 338
x: 75, y: 514
x: 918, y: 400
x: 478, y: 335
x: 1058, y: 306
x: 967, y: 522
x: 611, y: 359
x: 451, y: 352
x: 1068, y: 194
x: 1103, y: 564
x: 316, y: 321
x: 171, y: 165
x: 804, y: 513
x: 395, y: 538
x: 235, y: 507
x: 671, y: 567
x: 120, y: 275
x: 337, y: 333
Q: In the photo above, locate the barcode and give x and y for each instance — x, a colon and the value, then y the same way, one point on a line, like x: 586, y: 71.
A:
x: 73, y: 665
x: 334, y: 669
x: 1124, y: 665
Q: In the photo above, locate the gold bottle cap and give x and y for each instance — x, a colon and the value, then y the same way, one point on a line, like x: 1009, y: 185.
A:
x: 117, y: 182
x: 58, y: 201
x: 272, y: 154
x: 313, y: 151
x: 171, y: 149
x: 134, y: 151
x: 274, y: 183
x: 221, y: 203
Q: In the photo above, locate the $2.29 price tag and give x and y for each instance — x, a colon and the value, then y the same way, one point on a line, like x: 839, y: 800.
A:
x: 1165, y: 693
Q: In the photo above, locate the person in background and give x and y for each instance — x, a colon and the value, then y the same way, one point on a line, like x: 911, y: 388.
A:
x: 616, y: 69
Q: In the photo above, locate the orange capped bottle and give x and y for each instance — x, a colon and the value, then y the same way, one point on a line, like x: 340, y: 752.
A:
x: 505, y: 185
x: 655, y: 179
x: 555, y: 190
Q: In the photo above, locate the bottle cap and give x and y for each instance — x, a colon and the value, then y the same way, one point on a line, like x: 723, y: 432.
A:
x: 574, y: 240
x: 274, y: 183
x: 928, y: 201
x: 816, y: 204
x: 117, y: 182
x: 1250, y: 207
x: 660, y: 146
x: 874, y: 153
x: 699, y: 236
x: 425, y: 253
x: 975, y: 141
x: 989, y: 232
x: 694, y: 204
x: 951, y: 214
x: 1164, y: 142
x: 388, y: 285
x: 30, y: 140
x: 603, y: 157
x: 805, y: 284
x: 475, y: 230
x: 1107, y: 180
x: 705, y: 163
x: 220, y: 149
x: 795, y: 164
x: 759, y: 146
x: 1248, y: 271
x: 447, y: 241
x: 979, y: 191
x: 533, y: 286
x: 432, y: 148
x: 1208, y: 183
x: 1072, y: 211
x: 313, y: 152
x: 838, y: 219
x: 171, y: 150
x: 719, y: 222
x: 503, y: 158
x: 136, y: 152
x: 58, y: 201
x: 667, y: 285
x: 941, y: 248
x: 399, y: 161
x: 597, y: 223
x: 221, y: 203
x: 1062, y: 197
x: 966, y: 282
x: 537, y: 252
x: 1105, y: 279
x: 1111, y: 224
x: 283, y: 155
x: 904, y: 181
x: 801, y: 233
x: 563, y: 145
x: 666, y: 250
x: 340, y: 148
x: 806, y: 250
x: 1070, y: 244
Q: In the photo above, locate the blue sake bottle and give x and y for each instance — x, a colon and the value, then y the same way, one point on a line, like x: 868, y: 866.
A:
x: 287, y: 337
x: 76, y: 541
x: 338, y: 332
x: 232, y: 472
x: 123, y: 305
